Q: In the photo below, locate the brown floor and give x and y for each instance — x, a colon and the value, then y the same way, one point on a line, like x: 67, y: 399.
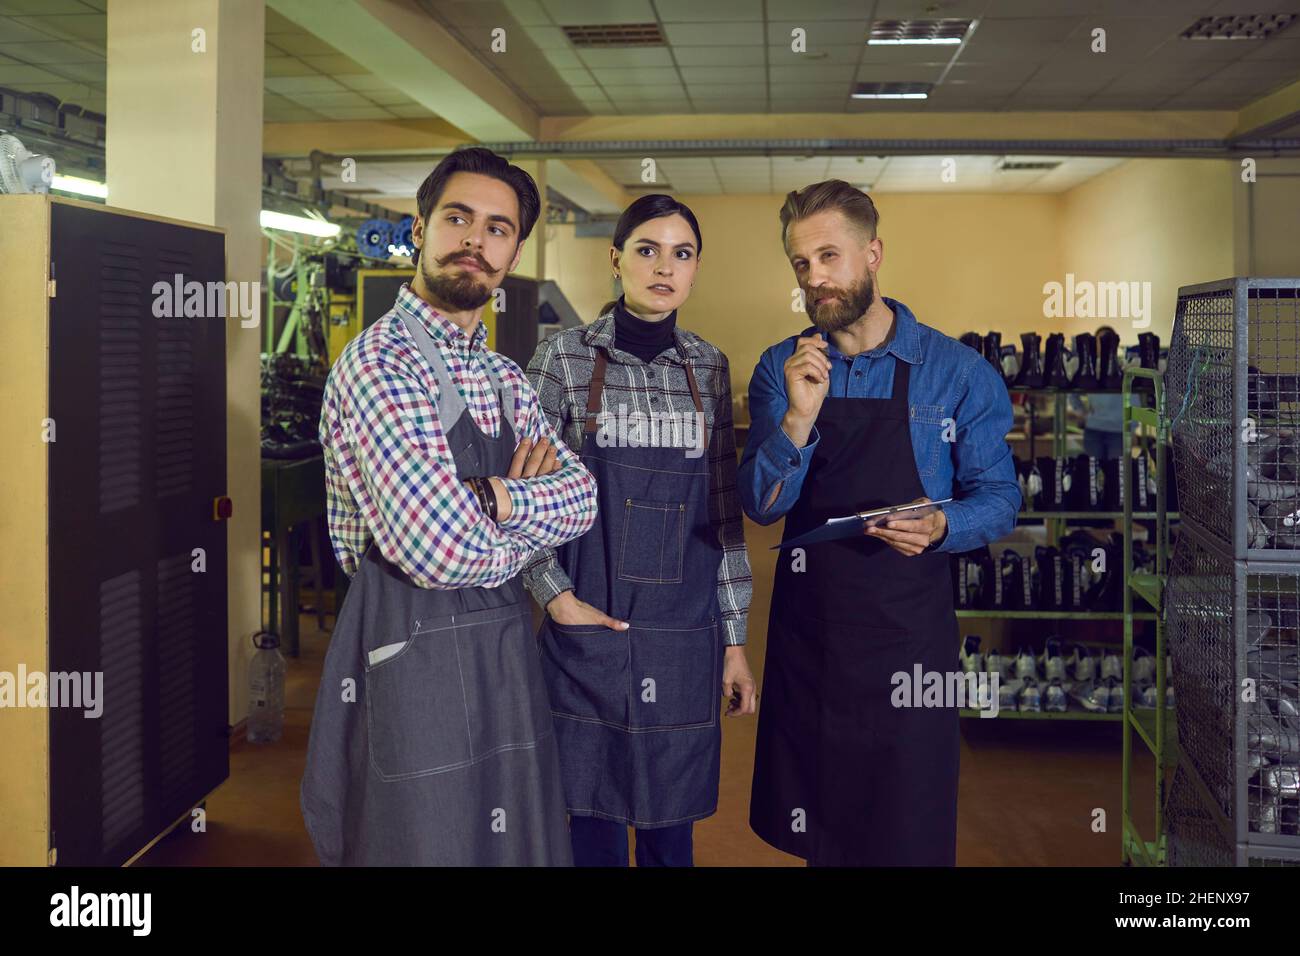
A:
x: 1028, y: 791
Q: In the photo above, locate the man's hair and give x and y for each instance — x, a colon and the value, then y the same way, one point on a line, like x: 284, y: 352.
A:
x: 476, y: 159
x: 833, y: 194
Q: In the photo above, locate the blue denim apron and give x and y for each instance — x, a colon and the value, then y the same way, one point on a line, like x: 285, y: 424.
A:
x: 443, y: 752
x: 637, y: 713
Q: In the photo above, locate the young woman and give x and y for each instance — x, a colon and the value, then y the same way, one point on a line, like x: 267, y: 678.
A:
x: 645, y: 623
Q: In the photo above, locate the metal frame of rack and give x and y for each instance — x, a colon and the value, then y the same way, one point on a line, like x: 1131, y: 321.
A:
x: 1151, y: 726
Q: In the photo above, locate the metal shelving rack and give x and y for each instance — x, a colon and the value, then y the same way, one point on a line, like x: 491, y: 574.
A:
x: 1151, y: 726
x: 1055, y: 523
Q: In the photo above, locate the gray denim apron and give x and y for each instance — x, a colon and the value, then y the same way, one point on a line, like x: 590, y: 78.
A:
x: 432, y: 742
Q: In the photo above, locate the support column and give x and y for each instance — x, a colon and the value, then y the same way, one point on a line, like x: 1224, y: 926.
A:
x: 184, y: 140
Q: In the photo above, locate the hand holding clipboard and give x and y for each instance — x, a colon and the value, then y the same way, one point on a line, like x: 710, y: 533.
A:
x: 912, y: 523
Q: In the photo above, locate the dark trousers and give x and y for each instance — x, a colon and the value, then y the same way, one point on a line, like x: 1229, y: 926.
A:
x: 599, y: 842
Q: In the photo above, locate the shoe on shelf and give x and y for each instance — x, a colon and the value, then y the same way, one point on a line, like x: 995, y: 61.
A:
x: 996, y: 663
x: 1025, y: 666
x: 1082, y: 665
x: 1009, y: 694
x: 1092, y: 696
x: 1112, y: 666
x: 1116, y: 702
x: 1054, y: 699
x: 1052, y: 662
x: 1144, y: 667
x: 1030, y: 697
x: 972, y: 661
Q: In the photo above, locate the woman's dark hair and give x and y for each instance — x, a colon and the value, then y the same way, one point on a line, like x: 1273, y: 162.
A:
x: 476, y: 159
x: 654, y: 206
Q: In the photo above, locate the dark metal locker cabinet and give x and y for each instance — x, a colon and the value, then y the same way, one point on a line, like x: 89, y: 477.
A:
x: 139, y: 404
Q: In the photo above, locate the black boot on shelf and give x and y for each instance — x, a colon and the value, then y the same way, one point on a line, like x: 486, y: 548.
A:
x: 1031, y: 361
x: 1085, y: 347
x: 973, y: 340
x: 993, y: 351
x: 1109, y: 372
x: 1054, y: 361
x: 1149, y: 355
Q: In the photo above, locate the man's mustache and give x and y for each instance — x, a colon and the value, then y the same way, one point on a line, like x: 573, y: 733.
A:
x: 476, y: 259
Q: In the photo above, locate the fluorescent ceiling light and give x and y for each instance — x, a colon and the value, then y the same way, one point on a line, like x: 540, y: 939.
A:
x: 268, y: 218
x: 302, y: 224
x: 935, y: 41
x: 890, y: 96
x: 79, y: 186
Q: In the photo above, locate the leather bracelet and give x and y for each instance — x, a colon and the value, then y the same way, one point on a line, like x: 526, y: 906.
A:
x: 487, y: 498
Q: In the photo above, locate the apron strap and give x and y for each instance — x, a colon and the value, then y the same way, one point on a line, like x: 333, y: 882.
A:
x: 597, y: 388
x: 695, y: 397
x: 902, y: 378
x: 594, y: 391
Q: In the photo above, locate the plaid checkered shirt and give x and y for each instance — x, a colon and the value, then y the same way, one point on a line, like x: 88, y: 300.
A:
x: 389, y: 472
x: 561, y: 371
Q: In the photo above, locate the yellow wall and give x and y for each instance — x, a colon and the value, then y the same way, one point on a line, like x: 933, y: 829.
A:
x: 1167, y: 222
x: 580, y: 267
x: 962, y: 262
x: 972, y: 261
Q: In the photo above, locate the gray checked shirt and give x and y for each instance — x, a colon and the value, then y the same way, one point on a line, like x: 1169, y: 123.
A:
x: 560, y: 372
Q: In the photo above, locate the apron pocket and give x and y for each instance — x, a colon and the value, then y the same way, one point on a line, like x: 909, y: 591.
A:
x: 585, y: 667
x: 653, y: 533
x: 415, y: 706
x: 858, y: 668
x: 674, y: 679
x: 504, y: 694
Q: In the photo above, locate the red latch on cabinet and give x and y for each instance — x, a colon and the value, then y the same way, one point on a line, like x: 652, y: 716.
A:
x: 222, y: 508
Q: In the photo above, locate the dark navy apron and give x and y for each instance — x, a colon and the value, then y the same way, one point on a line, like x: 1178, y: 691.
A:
x: 444, y: 752
x: 637, y: 713
x: 842, y: 777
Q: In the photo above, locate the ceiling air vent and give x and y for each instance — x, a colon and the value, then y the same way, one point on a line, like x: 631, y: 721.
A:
x: 1022, y: 165
x: 895, y: 32
x: 615, y: 34
x: 892, y: 91
x: 1255, y: 26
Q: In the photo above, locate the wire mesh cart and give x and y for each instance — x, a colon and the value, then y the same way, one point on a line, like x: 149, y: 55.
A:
x: 1233, y: 592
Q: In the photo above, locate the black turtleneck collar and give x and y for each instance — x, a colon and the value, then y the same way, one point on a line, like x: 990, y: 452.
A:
x: 640, y: 337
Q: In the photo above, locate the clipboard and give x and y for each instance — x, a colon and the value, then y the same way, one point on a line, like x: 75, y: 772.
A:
x: 855, y: 524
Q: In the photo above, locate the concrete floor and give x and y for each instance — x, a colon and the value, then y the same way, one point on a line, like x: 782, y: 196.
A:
x: 1028, y: 791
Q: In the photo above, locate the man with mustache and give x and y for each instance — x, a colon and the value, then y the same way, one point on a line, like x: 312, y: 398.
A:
x: 432, y: 742
x: 865, y: 409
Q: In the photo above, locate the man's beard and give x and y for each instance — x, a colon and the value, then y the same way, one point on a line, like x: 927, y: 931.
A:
x: 848, y: 307
x: 458, y: 290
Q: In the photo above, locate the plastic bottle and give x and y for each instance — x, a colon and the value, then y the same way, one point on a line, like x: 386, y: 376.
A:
x: 266, y: 690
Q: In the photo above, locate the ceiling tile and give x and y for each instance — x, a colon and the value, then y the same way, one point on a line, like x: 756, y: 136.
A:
x: 410, y: 112
x: 714, y: 34
x: 334, y: 64
x: 820, y: 34
x: 287, y: 66
x: 635, y: 76
x: 812, y: 73
x: 717, y: 56
x: 87, y: 26
x: 23, y: 76
x: 778, y: 55
x: 723, y: 74
x: 673, y: 11
x: 291, y: 85
x: 626, y: 58
x: 579, y: 12
x: 303, y: 45
x: 366, y: 83
x: 58, y: 51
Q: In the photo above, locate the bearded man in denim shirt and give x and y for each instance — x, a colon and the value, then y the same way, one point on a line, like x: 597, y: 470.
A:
x: 854, y: 764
